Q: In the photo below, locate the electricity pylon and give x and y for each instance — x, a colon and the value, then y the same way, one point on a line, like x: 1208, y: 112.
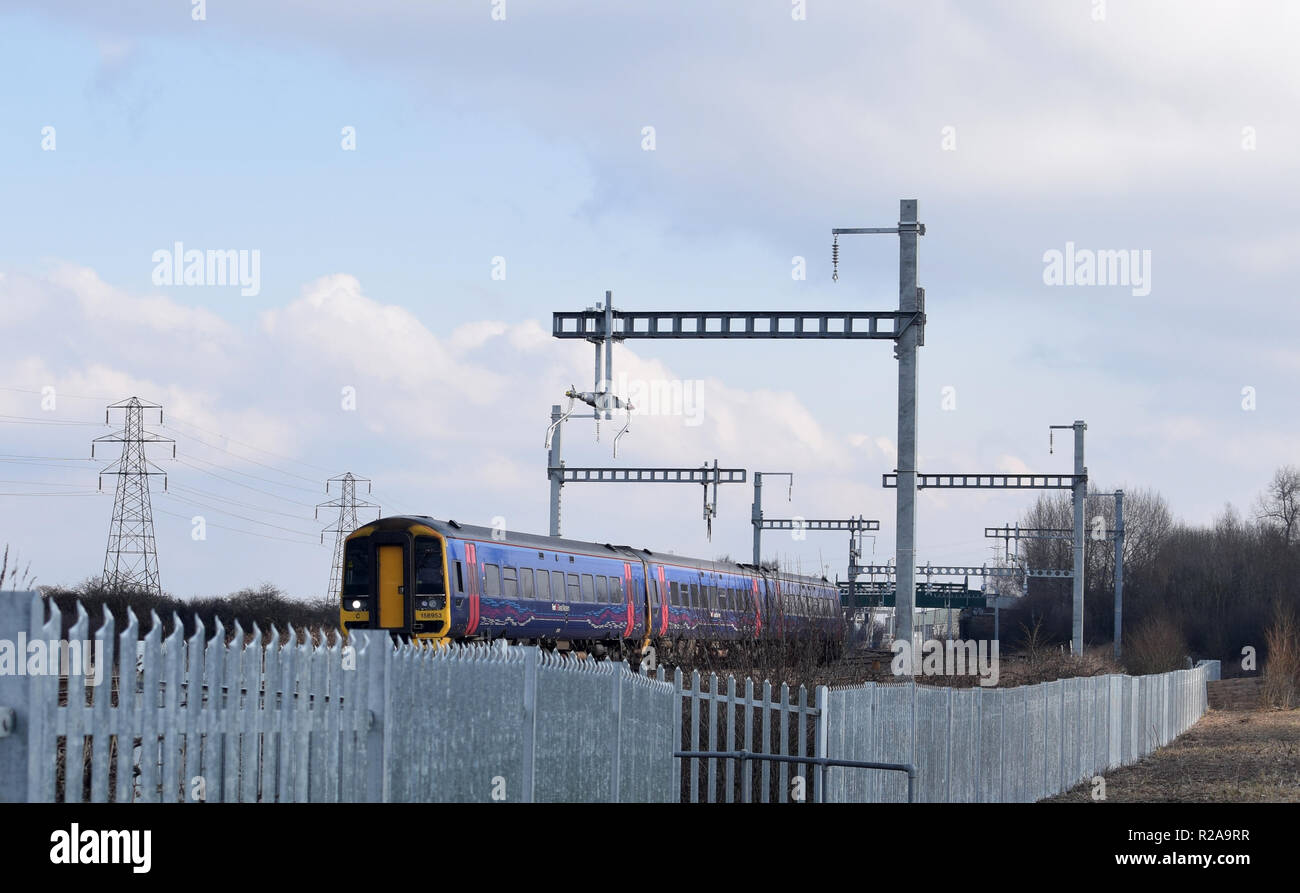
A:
x: 131, y: 559
x: 347, y: 504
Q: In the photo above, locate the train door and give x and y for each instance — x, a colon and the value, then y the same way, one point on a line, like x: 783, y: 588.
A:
x: 392, y: 585
x: 663, y: 600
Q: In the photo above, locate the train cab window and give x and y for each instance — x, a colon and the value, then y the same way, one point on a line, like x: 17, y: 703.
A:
x: 654, y: 594
x: 356, y: 576
x: 574, y: 594
x: 526, y: 583
x: 428, y: 566
x: 602, y: 590
x: 460, y: 577
x: 588, y: 589
x: 493, y: 574
x: 510, y: 582
x: 544, y: 585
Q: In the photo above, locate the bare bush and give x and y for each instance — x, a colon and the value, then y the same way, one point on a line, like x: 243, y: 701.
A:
x: 1157, y: 646
x: 1282, y: 670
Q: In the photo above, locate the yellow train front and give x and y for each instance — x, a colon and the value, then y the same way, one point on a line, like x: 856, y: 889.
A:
x: 395, y: 577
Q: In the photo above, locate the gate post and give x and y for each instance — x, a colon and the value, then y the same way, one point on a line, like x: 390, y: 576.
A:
x: 376, y: 658
x: 617, y: 711
x: 820, y: 698
x: 532, y: 654
x: 18, y: 620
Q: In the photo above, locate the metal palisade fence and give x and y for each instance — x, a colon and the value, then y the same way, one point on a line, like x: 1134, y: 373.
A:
x: 245, y: 718
x: 984, y: 745
x: 111, y: 716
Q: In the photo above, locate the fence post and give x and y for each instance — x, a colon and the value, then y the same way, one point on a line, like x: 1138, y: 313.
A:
x: 820, y: 699
x: 377, y: 655
x: 617, y: 711
x: 17, y: 613
x: 675, y: 787
x: 532, y: 654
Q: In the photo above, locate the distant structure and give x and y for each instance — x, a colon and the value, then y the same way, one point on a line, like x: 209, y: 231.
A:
x: 131, y: 559
x: 347, y: 504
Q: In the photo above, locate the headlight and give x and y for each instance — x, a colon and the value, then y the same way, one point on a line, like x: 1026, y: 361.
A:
x: 356, y: 604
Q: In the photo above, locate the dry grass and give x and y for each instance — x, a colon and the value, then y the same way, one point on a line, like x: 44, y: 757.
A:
x: 1227, y: 757
x: 1156, y: 646
x: 1282, y: 672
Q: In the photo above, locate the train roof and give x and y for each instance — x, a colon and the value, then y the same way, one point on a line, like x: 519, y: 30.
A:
x: 457, y: 530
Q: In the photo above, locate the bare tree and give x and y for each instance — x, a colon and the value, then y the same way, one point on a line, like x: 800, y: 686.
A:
x: 1279, y: 505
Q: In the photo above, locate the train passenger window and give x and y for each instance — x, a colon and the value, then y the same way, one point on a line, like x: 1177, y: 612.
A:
x: 428, y: 566
x: 673, y: 597
x: 510, y: 582
x: 574, y: 594
x: 356, y: 577
x: 526, y: 583
x: 588, y: 589
x: 544, y: 585
x: 695, y: 595
x: 493, y: 586
x: 615, y: 591
x: 557, y: 586
x: 602, y: 590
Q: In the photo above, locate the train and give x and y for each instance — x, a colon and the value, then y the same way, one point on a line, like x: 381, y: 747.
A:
x: 424, y: 579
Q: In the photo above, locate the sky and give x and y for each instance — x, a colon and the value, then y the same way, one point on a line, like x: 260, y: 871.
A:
x: 422, y: 185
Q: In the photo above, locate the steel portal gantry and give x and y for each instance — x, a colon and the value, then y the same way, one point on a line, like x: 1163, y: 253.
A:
x: 904, y: 326
x: 1077, y: 483
x: 704, y: 475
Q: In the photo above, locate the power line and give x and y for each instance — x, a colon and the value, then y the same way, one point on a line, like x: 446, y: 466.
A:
x: 56, y: 493
x: 239, y: 457
x: 248, y: 505
x: 247, y: 475
x: 28, y: 420
x: 242, y: 484
x: 265, y: 536
x: 249, y: 445
x: 57, y: 393
x: 213, y: 508
x: 41, y: 483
